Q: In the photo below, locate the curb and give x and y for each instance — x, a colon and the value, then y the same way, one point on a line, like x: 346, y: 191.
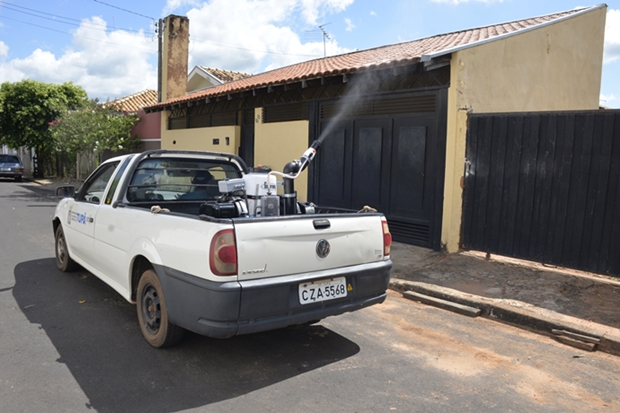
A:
x: 536, y: 319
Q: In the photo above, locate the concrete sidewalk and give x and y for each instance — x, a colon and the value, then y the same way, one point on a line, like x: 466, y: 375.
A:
x: 577, y: 308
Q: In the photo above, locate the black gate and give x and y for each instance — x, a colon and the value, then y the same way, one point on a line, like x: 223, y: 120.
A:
x: 246, y: 147
x: 390, y: 155
x: 545, y: 187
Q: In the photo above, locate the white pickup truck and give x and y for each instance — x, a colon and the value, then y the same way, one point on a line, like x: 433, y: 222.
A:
x: 201, y: 243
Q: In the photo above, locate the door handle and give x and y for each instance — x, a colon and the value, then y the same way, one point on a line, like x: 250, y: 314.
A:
x: 321, y: 224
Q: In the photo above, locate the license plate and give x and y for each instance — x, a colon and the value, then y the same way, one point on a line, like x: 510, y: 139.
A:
x: 322, y: 290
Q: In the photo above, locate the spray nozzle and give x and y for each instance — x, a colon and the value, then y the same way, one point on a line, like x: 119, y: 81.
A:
x: 309, y: 154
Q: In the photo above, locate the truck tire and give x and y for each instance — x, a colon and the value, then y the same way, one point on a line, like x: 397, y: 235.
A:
x: 63, y: 260
x: 153, y: 314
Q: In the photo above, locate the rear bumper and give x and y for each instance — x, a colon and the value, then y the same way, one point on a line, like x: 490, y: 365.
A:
x: 10, y: 174
x: 223, y: 310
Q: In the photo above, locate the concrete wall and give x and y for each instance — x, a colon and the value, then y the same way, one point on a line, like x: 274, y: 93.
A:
x: 555, y: 67
x: 201, y: 139
x: 149, y: 126
x: 276, y: 144
x: 149, y: 145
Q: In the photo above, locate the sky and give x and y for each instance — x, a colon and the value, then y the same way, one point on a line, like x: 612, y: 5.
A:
x: 109, y: 47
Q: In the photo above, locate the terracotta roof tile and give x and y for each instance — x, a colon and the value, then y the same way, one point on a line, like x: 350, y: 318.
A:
x: 135, y: 102
x: 391, y: 55
x: 226, y: 75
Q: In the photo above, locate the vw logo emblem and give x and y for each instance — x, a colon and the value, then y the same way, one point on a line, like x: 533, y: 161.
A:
x: 322, y: 248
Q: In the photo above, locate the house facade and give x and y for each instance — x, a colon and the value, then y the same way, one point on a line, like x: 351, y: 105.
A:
x: 392, y: 120
x: 149, y: 127
x: 202, y: 77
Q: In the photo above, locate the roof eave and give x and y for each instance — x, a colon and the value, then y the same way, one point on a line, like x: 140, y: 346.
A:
x: 302, y: 80
x: 429, y: 56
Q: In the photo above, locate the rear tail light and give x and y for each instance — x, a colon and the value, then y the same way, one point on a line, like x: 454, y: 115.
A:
x: 387, y: 238
x: 223, y: 253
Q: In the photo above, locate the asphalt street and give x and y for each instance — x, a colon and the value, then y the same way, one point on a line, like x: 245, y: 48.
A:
x: 69, y: 343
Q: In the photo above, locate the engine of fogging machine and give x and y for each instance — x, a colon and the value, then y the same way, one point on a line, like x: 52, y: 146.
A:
x: 293, y: 169
x: 255, y: 195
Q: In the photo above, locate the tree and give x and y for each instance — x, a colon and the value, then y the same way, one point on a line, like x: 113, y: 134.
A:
x: 28, y: 107
x: 92, y: 130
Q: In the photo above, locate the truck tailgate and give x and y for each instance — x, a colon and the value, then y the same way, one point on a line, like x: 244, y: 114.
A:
x: 292, y: 245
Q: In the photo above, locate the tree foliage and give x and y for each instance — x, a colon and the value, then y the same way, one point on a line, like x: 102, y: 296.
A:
x: 28, y: 107
x: 95, y: 129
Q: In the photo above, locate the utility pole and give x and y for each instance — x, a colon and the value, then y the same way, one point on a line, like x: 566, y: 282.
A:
x: 325, y: 36
x: 159, y: 28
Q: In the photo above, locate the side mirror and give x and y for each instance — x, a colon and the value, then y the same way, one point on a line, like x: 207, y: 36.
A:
x: 65, y: 191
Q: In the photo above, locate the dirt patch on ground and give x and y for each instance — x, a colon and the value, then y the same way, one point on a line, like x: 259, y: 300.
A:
x: 468, y: 349
x: 586, y: 296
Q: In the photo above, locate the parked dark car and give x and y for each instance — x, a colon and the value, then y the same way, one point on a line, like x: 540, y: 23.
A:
x: 11, y: 167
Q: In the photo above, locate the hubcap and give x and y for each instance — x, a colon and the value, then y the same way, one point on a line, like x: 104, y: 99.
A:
x: 60, y: 249
x: 151, y: 309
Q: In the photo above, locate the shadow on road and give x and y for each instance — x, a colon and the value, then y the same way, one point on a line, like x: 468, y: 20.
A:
x: 95, y: 331
x: 31, y: 192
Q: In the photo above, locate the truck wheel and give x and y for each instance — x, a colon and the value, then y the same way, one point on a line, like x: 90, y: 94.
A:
x: 152, y: 313
x: 63, y: 260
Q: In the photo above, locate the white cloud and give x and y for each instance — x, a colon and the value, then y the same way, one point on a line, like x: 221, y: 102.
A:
x: 606, y: 100
x: 258, y: 38
x: 612, y: 36
x: 172, y: 5
x: 4, y: 49
x: 106, y: 65
x: 349, y: 24
x: 373, y: 13
x: 244, y: 35
x: 313, y: 10
x: 457, y: 2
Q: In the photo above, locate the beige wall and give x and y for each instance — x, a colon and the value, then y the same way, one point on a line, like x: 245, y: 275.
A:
x: 198, y: 82
x: 557, y: 67
x: 276, y: 144
x: 200, y: 139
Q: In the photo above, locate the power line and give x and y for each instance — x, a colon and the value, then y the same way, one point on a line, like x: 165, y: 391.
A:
x: 119, y: 44
x: 105, y: 28
x: 210, y: 41
x: 71, y: 34
x: 125, y: 10
x: 236, y: 47
x: 42, y: 15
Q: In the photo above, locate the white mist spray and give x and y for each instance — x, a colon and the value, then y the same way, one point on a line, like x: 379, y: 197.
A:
x: 361, y: 87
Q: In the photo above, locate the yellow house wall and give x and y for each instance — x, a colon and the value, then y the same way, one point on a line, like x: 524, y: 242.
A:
x: 556, y: 67
x: 200, y: 139
x: 276, y: 144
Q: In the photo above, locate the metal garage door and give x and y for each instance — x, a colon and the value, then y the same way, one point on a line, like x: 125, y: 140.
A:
x: 388, y: 154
